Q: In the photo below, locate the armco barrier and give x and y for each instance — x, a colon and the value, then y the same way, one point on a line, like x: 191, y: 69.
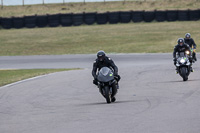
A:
x: 137, y: 16
x: 113, y: 17
x: 125, y: 17
x: 194, y: 14
x: 89, y: 18
x: 77, y: 19
x: 6, y: 23
x: 30, y: 21
x: 42, y: 21
x: 18, y: 22
x: 172, y: 15
x: 149, y: 16
x: 66, y: 19
x: 160, y: 16
x: 102, y: 18
x: 183, y: 15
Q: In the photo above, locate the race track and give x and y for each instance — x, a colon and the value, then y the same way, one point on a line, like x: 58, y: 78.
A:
x: 151, y: 98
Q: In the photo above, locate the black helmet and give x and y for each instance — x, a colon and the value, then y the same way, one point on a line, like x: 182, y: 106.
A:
x: 180, y: 41
x: 187, y: 35
x: 101, y: 55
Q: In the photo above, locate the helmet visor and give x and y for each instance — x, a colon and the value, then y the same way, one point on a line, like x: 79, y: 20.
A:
x: 101, y: 57
x: 181, y: 43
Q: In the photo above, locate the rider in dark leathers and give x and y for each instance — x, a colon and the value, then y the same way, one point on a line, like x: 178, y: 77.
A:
x: 181, y: 47
x: 104, y: 61
x: 191, y: 43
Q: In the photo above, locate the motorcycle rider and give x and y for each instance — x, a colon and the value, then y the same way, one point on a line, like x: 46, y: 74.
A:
x: 181, y: 47
x: 104, y: 61
x: 191, y: 43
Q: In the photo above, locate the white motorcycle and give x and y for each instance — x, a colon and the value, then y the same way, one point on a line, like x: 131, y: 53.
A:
x: 183, y: 65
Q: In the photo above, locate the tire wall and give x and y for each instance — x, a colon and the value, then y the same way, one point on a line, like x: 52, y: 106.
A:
x: 172, y: 15
x: 42, y: 21
x: 102, y: 18
x: 0, y: 21
x: 66, y: 19
x: 90, y: 18
x: 18, y: 22
x: 6, y: 23
x: 160, y: 16
x: 77, y: 19
x: 125, y: 17
x: 137, y: 16
x: 30, y: 21
x: 149, y: 16
x: 113, y: 17
x: 71, y: 19
x: 183, y: 15
x: 54, y: 20
x: 194, y: 14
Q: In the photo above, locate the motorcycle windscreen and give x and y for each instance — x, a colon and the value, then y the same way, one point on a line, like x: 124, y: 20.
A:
x: 105, y: 75
x: 182, y: 54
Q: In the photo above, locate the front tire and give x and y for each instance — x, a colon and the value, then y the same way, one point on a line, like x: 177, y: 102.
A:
x: 184, y: 73
x: 107, y: 94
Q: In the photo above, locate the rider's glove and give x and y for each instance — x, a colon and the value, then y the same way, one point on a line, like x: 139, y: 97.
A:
x: 117, y: 77
x: 115, y: 73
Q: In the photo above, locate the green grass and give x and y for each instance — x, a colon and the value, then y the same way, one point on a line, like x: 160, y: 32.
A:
x: 152, y: 37
x: 10, y: 76
x: 8, y: 11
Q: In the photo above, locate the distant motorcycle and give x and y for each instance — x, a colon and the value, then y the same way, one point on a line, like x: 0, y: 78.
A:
x: 183, y: 65
x: 107, y: 84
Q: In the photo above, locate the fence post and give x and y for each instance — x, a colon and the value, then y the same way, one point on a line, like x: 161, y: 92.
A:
x: 23, y: 2
x: 1, y: 4
x: 43, y: 2
x: 63, y: 1
x: 124, y: 2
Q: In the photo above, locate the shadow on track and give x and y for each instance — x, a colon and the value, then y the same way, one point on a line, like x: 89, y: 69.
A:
x: 104, y: 103
x: 192, y: 80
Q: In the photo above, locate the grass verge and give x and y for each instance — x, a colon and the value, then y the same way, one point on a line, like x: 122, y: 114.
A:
x: 152, y: 37
x: 10, y: 76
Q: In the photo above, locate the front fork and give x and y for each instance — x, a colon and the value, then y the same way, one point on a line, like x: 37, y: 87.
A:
x: 113, y: 85
x: 188, y: 68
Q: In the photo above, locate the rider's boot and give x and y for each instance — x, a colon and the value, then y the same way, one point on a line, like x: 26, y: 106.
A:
x: 195, y: 58
x: 191, y: 69
x: 113, y: 99
x: 176, y: 70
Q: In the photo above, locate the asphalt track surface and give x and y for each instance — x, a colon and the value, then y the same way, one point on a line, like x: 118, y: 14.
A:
x: 151, y: 98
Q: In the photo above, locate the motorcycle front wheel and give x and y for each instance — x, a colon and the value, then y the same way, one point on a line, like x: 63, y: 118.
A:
x: 183, y: 71
x: 107, y: 94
